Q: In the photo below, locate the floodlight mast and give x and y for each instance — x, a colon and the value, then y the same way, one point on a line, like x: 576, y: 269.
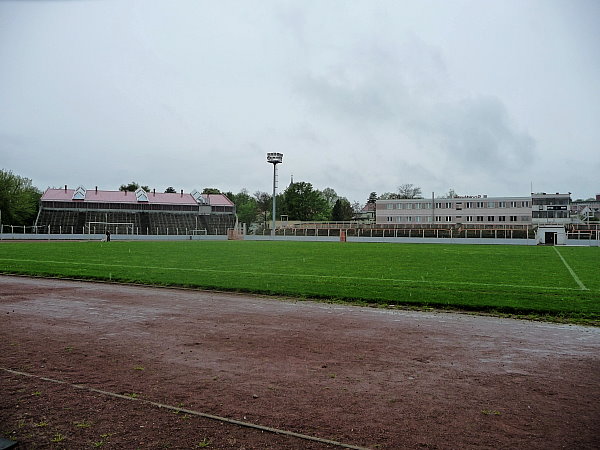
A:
x: 274, y: 158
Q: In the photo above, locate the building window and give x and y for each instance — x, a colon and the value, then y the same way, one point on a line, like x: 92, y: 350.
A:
x: 501, y: 218
x: 448, y: 205
x: 491, y: 205
x: 468, y: 204
x: 501, y: 204
x: 513, y: 218
x: 526, y: 204
x: 479, y: 218
x: 490, y: 218
x: 469, y: 218
x: 480, y: 204
x: 438, y: 205
x: 448, y: 218
x: 438, y: 218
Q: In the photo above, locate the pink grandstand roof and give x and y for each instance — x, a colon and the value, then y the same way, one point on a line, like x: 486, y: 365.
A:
x: 91, y: 195
x: 218, y: 200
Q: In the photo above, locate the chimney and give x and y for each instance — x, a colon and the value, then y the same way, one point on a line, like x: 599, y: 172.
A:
x: 96, y: 190
x: 154, y: 192
x: 65, y: 188
x: 182, y: 192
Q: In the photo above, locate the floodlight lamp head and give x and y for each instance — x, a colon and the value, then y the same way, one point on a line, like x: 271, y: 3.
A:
x: 275, y: 158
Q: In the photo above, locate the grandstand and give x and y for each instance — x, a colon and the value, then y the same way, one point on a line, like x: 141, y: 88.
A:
x: 81, y: 211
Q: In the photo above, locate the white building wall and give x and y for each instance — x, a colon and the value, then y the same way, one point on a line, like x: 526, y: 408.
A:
x: 451, y: 211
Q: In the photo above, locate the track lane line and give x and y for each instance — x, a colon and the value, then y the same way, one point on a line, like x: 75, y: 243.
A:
x: 189, y: 411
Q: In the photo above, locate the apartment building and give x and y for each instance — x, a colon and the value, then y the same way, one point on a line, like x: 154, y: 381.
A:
x: 468, y: 210
x: 479, y: 210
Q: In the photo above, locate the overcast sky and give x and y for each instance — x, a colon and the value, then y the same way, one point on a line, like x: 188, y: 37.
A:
x: 485, y: 97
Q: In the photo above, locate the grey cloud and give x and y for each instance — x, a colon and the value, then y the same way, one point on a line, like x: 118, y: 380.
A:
x: 385, y: 92
x: 478, y: 133
x: 359, y: 96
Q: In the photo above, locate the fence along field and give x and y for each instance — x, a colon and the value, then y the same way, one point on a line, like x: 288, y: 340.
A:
x: 557, y: 282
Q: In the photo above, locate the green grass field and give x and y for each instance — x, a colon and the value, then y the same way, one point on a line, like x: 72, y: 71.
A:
x: 560, y: 283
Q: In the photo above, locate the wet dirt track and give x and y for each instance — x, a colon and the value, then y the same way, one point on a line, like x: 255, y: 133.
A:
x: 376, y: 378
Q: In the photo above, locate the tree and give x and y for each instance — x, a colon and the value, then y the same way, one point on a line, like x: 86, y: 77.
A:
x: 409, y: 190
x: 132, y: 187
x: 302, y: 202
x: 170, y: 190
x: 211, y: 191
x: 372, y: 197
x: 330, y: 196
x: 342, y: 210
x: 264, y: 202
x: 245, y: 206
x: 19, y: 199
x: 389, y: 196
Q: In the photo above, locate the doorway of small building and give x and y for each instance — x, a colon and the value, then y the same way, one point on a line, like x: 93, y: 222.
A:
x: 550, y: 238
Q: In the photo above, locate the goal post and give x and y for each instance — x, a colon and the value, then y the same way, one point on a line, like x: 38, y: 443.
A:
x: 113, y: 227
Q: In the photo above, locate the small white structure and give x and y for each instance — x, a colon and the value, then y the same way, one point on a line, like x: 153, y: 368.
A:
x: 551, y: 235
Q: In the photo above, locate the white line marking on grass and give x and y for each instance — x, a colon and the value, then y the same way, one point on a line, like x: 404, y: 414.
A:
x: 305, y: 275
x: 189, y: 411
x: 571, y: 271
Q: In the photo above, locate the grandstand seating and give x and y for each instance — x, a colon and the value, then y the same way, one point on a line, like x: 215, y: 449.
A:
x: 97, y: 212
x: 59, y: 221
x: 120, y: 222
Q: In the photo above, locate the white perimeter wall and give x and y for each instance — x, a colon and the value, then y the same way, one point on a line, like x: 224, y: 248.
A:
x: 398, y: 240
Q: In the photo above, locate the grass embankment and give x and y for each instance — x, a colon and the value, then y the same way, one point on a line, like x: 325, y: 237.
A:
x: 521, y: 280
